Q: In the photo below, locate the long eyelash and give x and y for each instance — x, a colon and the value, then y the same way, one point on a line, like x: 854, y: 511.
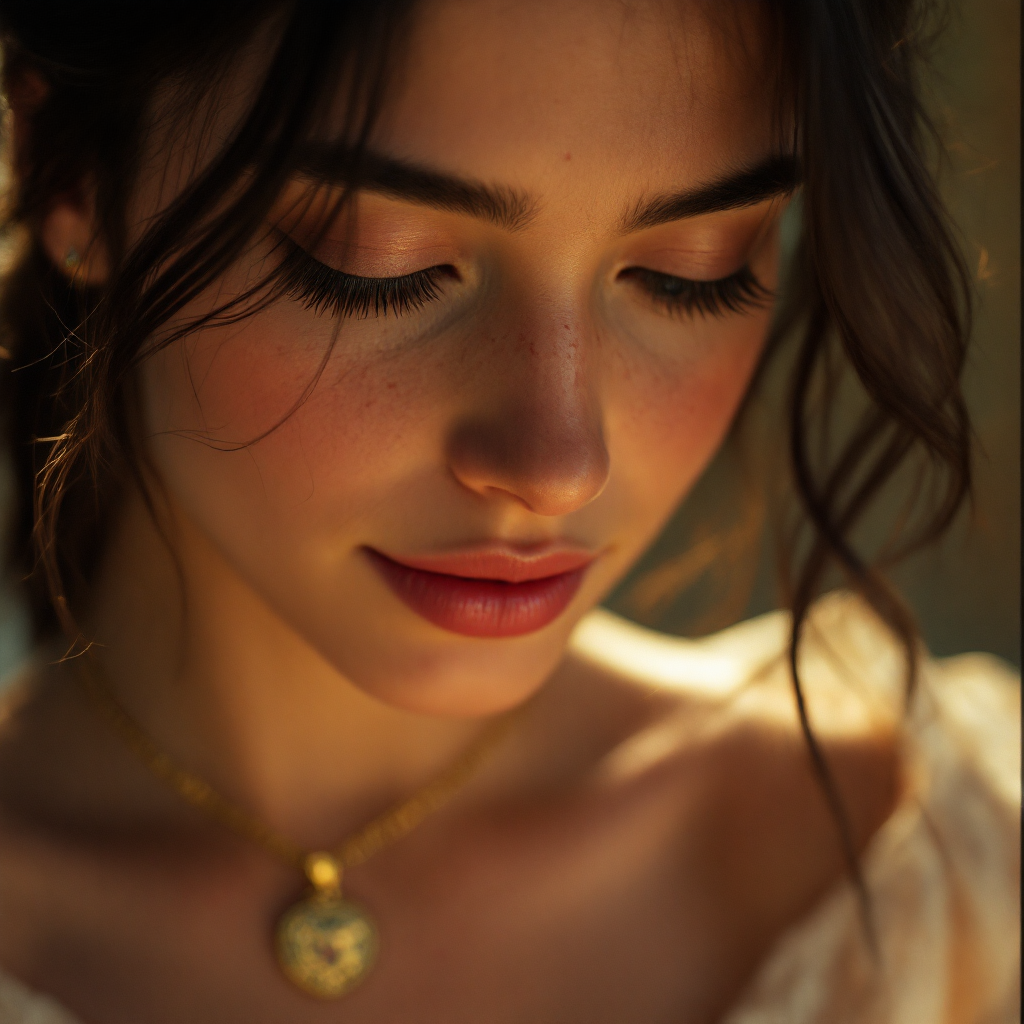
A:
x: 323, y: 289
x: 734, y: 294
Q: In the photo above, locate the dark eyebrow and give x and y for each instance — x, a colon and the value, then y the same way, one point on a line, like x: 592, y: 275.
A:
x: 777, y: 176
x: 504, y: 206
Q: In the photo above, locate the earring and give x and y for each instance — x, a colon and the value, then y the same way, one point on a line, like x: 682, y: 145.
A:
x: 72, y: 259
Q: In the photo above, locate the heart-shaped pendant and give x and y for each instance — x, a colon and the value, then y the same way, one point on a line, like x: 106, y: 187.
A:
x: 326, y: 945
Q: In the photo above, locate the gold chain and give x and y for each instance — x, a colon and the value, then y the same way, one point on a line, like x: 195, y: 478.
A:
x: 322, y: 868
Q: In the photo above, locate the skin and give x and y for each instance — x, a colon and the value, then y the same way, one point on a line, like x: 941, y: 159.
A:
x: 543, y: 397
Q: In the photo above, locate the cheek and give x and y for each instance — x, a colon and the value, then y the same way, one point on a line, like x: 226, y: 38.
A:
x: 673, y: 411
x: 256, y: 414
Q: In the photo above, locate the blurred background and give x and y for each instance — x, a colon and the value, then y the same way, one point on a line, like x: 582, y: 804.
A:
x: 966, y: 591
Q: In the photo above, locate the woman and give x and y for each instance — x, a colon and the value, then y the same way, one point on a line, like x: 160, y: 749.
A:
x: 355, y: 351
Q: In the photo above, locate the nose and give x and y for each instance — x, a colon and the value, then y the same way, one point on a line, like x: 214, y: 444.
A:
x: 536, y: 433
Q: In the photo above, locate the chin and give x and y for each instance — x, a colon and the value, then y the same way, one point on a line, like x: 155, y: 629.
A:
x: 467, y: 678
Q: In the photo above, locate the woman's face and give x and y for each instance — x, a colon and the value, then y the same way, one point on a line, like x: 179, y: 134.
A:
x: 580, y: 305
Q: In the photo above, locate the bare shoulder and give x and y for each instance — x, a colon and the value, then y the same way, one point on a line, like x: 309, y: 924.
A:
x: 852, y: 671
x: 723, y: 729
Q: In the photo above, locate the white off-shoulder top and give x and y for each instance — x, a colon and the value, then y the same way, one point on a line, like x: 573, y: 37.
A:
x: 943, y: 871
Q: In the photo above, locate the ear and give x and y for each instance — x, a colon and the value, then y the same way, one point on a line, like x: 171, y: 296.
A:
x: 69, y: 234
x: 69, y: 231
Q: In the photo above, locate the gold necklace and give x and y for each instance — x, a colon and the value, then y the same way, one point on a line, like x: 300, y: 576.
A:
x: 325, y: 944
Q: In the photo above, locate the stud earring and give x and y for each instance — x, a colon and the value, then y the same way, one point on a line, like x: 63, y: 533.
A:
x: 71, y: 258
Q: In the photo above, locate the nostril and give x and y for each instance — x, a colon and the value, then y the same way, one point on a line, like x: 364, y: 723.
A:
x: 551, y: 468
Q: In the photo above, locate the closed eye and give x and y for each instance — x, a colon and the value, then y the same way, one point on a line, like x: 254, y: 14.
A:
x: 323, y: 289
x: 737, y: 293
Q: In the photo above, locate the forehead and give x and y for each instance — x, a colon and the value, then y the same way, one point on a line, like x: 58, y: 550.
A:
x: 652, y: 91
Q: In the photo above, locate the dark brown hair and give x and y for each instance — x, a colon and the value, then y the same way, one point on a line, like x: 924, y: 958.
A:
x: 877, y: 283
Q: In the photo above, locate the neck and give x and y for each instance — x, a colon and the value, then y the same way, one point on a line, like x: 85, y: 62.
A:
x: 230, y: 690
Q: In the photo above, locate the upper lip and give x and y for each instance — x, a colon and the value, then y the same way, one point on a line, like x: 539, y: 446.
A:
x: 499, y: 561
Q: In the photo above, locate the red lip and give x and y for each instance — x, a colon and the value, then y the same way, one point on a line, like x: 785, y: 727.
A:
x: 486, y: 593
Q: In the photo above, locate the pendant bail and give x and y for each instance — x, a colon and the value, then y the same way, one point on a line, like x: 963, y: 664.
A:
x: 324, y: 873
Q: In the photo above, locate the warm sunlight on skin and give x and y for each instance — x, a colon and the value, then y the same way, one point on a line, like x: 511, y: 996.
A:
x: 384, y: 509
x: 543, y: 399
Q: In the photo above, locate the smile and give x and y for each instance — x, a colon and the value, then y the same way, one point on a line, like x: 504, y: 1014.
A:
x: 485, y: 593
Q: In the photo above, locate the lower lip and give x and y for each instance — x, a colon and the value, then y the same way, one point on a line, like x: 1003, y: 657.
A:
x: 482, y: 608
